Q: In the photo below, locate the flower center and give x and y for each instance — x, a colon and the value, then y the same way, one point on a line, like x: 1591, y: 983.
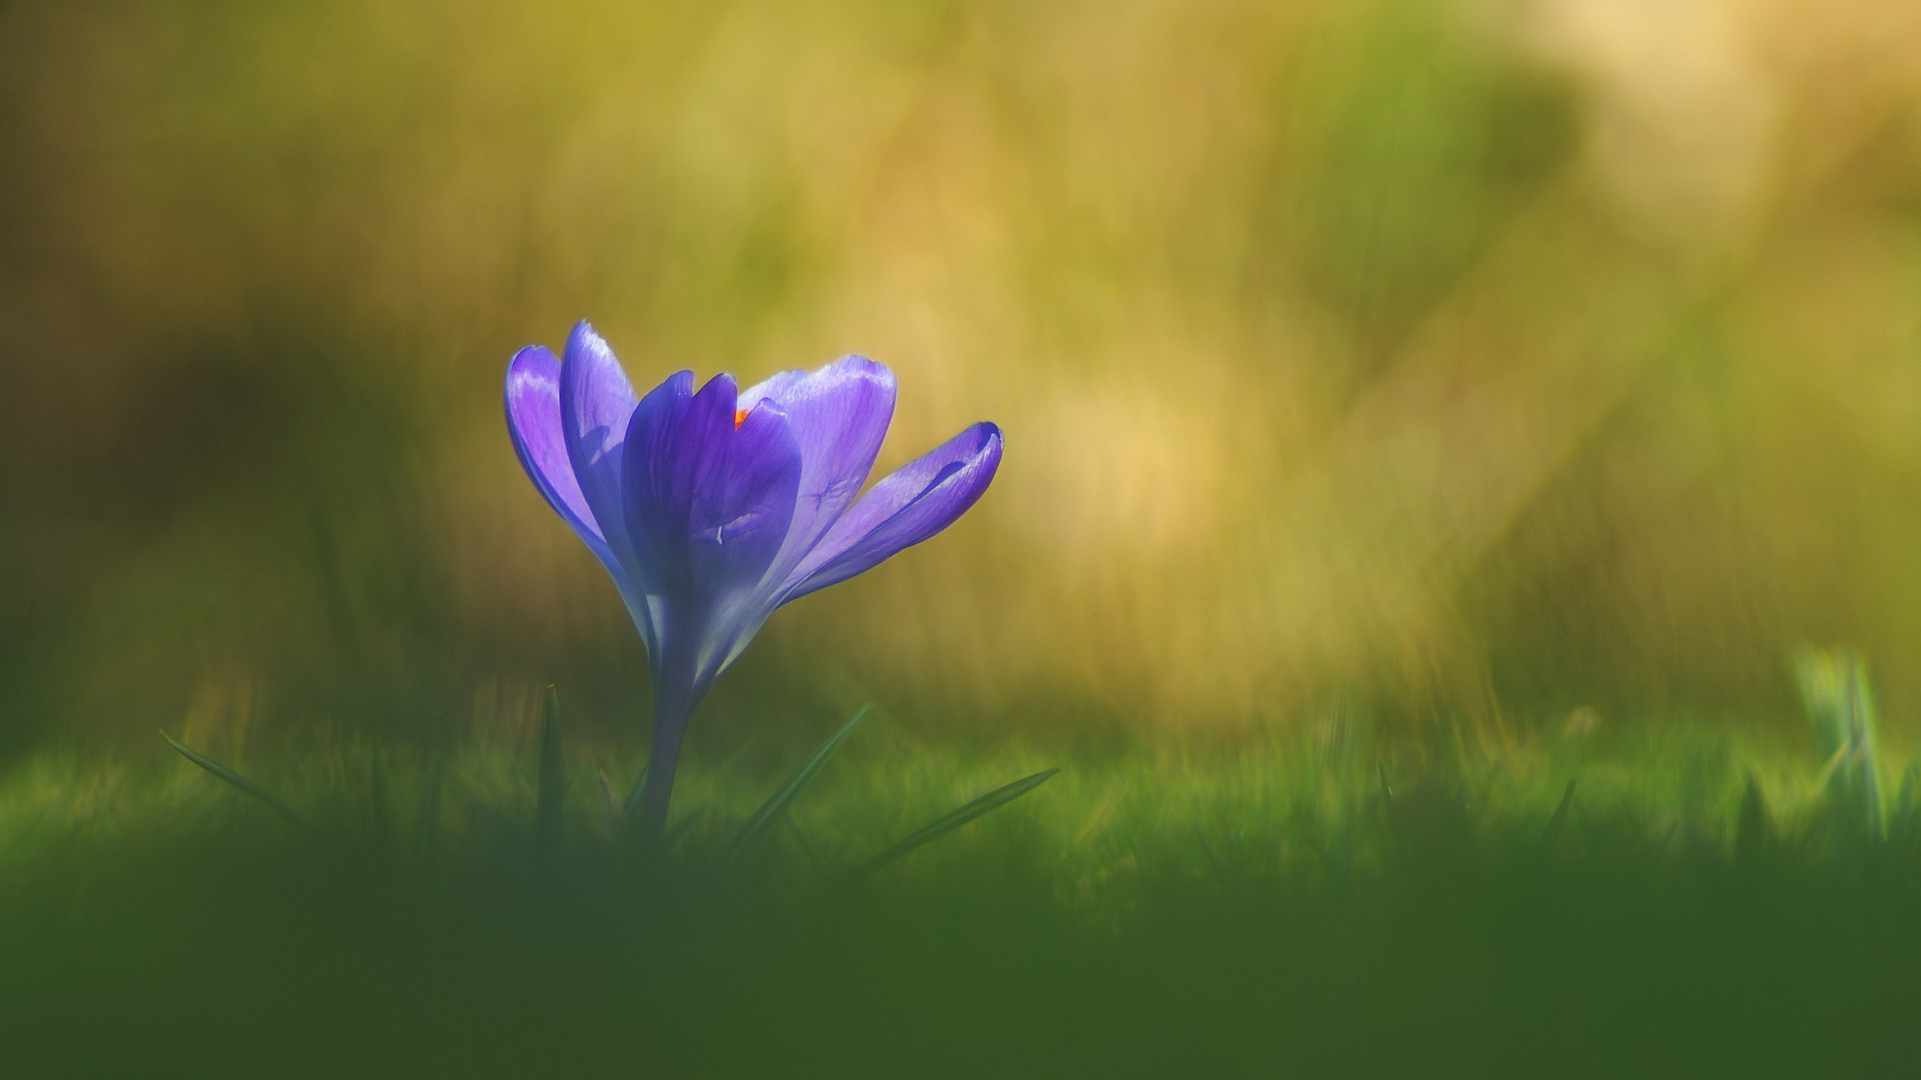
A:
x: 739, y: 415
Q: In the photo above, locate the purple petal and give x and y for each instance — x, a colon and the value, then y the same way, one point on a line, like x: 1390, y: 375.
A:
x: 596, y: 401
x: 744, y: 502
x: 533, y: 420
x: 911, y: 504
x: 838, y: 415
x: 659, y: 482
x: 708, y: 501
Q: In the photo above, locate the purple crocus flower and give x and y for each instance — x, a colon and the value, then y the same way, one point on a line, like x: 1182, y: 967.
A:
x: 713, y: 507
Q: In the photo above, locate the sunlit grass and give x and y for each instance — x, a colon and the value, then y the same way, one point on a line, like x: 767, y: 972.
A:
x: 1308, y: 800
x: 1317, y: 900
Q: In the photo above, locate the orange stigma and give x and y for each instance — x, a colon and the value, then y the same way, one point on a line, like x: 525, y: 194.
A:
x: 739, y: 415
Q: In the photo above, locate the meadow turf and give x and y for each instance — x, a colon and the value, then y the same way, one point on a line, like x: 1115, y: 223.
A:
x: 1314, y: 903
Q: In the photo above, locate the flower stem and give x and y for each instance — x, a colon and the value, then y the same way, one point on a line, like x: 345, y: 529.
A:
x: 671, y: 710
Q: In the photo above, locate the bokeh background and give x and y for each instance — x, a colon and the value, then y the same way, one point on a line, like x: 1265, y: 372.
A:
x: 1439, y: 360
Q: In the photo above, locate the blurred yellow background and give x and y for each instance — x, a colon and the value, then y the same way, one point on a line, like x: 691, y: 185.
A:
x: 1439, y: 358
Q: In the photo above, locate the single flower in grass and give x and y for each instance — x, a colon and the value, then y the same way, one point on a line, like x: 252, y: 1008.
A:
x: 713, y: 506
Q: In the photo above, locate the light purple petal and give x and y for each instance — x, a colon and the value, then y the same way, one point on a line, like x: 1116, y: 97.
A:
x: 534, y: 423
x: 911, y: 504
x: 838, y: 415
x: 596, y: 401
x: 533, y: 420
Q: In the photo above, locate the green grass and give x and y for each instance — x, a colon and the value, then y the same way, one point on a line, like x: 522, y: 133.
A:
x: 1315, y: 904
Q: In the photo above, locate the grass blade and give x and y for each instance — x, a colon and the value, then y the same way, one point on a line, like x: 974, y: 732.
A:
x: 1754, y: 828
x: 610, y: 807
x: 993, y: 800
x: 1207, y: 849
x: 235, y: 779
x: 427, y: 827
x: 553, y: 775
x: 677, y: 829
x: 783, y: 795
x: 638, y: 793
x: 1559, y: 819
x: 1840, y: 701
x: 379, y: 792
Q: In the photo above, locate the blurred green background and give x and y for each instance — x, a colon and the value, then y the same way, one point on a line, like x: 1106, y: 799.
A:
x: 1468, y: 361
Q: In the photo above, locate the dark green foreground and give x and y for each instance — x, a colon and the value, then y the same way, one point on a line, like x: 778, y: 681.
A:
x: 1458, y: 922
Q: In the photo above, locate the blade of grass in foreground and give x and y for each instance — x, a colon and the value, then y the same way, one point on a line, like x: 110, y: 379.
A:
x: 235, y: 779
x: 427, y: 827
x: 552, y: 782
x: 636, y: 794
x: 993, y: 800
x: 1559, y: 819
x: 783, y: 795
x: 379, y: 793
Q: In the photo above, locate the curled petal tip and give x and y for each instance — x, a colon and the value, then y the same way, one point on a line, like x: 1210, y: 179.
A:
x: 906, y: 507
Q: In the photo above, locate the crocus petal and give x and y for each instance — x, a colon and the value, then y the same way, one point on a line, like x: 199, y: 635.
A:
x: 911, y: 504
x: 533, y: 420
x: 838, y: 415
x: 659, y: 483
x: 708, y: 501
x: 744, y: 500
x: 540, y: 441
x: 596, y: 401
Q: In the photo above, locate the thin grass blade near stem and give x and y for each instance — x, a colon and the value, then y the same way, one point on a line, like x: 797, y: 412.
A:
x: 1559, y: 819
x: 993, y: 800
x: 679, y: 828
x: 783, y: 795
x: 235, y: 779
x: 380, y: 794
x: 427, y: 826
x: 637, y: 794
x: 610, y: 807
x: 553, y: 775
